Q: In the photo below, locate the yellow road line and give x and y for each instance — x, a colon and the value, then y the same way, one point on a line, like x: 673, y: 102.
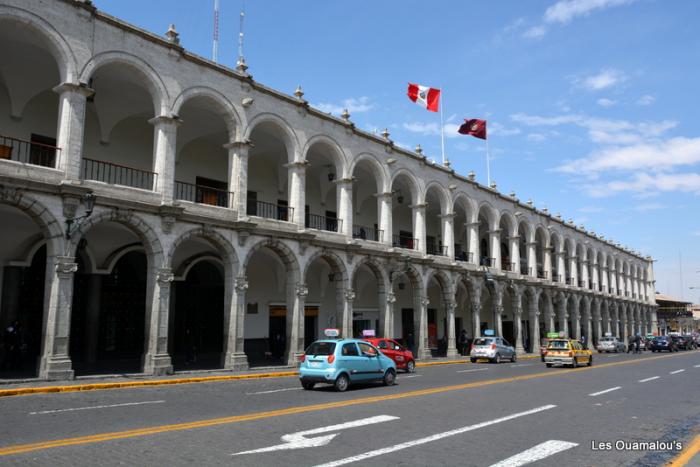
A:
x: 81, y: 440
x: 687, y: 454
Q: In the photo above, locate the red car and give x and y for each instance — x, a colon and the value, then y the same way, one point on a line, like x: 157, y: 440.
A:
x: 400, y: 355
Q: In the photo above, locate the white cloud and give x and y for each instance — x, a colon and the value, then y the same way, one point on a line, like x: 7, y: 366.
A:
x: 536, y: 137
x: 591, y: 209
x: 649, y: 207
x: 496, y: 128
x: 354, y: 106
x: 565, y: 11
x: 422, y: 128
x: 697, y: 233
x: 607, y: 78
x: 645, y: 184
x: 451, y: 129
x: 535, y: 32
x: 605, y: 102
x: 646, y: 100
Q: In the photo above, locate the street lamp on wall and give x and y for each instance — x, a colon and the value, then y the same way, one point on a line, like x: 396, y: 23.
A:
x: 74, y: 223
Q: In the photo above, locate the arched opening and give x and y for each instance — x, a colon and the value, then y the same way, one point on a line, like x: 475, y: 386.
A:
x: 506, y: 233
x: 323, y: 169
x: 524, y: 240
x: 202, y: 161
x: 325, y: 280
x: 569, y: 253
x: 28, y: 73
x: 487, y: 310
x: 558, y: 259
x: 437, y: 316
x: 486, y: 253
x: 406, y: 289
x: 581, y: 268
x: 464, y: 322
x: 366, y: 184
x: 405, y: 195
x: 22, y: 279
x: 463, y: 250
x: 109, y: 303
x: 118, y: 138
x: 434, y: 223
x: 540, y: 248
x: 367, y: 307
x: 268, y: 187
x: 508, y: 317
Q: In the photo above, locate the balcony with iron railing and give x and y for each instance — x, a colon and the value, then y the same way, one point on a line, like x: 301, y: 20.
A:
x: 467, y: 257
x: 436, y: 250
x: 488, y: 262
x: 367, y: 233
x: 330, y: 224
x: 401, y: 241
x: 507, y: 266
x: 273, y: 211
x: 582, y: 284
x: 115, y: 174
x: 28, y: 152
x: 542, y: 274
x: 203, y: 194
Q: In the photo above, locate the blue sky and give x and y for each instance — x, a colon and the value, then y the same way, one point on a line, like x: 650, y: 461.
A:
x: 592, y: 104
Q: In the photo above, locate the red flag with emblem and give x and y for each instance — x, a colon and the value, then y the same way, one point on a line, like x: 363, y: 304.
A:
x: 473, y: 127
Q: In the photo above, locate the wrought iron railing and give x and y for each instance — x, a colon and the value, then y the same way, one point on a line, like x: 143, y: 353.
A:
x: 436, y: 250
x: 489, y: 262
x: 203, y: 194
x: 278, y: 212
x: 465, y: 256
x: 507, y: 266
x: 28, y: 152
x: 367, y: 233
x: 401, y: 241
x: 542, y: 274
x: 331, y: 224
x: 116, y: 174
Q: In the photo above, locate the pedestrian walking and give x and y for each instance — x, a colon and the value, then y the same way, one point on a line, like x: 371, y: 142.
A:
x: 463, y: 342
x: 637, y: 343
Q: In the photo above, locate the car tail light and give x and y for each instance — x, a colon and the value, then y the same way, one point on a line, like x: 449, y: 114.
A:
x: 571, y: 354
x: 493, y: 346
x: 331, y: 358
x: 544, y: 352
x: 302, y: 357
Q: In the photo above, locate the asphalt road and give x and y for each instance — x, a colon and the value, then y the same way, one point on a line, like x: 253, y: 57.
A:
x: 463, y: 414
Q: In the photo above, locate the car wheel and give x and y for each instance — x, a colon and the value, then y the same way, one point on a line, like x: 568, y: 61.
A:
x: 514, y: 358
x: 389, y: 378
x: 498, y: 358
x: 307, y: 385
x: 341, y: 383
x: 549, y: 365
x: 590, y: 361
x: 600, y: 351
x: 411, y: 366
x: 473, y: 360
x: 574, y: 363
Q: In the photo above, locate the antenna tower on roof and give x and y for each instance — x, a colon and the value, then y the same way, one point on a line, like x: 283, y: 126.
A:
x: 215, y: 49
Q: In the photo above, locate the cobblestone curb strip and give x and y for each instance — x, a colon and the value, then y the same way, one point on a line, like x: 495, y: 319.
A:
x: 164, y: 382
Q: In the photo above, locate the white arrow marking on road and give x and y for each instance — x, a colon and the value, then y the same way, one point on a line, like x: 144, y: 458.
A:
x: 536, y: 453
x: 95, y: 407
x: 429, y: 439
x: 469, y: 371
x: 298, y: 440
x: 677, y: 371
x: 607, y: 390
x: 648, y: 379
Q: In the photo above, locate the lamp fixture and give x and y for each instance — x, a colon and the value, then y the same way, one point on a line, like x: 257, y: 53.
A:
x: 331, y: 176
x: 74, y: 223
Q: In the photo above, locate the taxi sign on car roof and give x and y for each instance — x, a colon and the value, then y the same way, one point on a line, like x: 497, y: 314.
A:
x: 552, y: 335
x: 368, y: 333
x: 489, y: 332
x: 331, y: 332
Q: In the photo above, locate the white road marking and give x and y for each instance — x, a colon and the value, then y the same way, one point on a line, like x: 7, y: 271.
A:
x: 271, y: 391
x: 521, y: 364
x: 436, y: 437
x: 677, y: 371
x: 409, y: 376
x: 536, y: 453
x: 607, y: 390
x: 613, y: 355
x: 126, y: 404
x: 298, y: 441
x: 696, y: 366
x: 469, y: 371
x: 648, y: 379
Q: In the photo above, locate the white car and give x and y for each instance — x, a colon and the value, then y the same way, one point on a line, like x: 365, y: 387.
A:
x: 496, y: 349
x: 611, y: 344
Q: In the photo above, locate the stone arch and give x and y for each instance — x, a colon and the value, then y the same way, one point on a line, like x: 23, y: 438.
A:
x: 468, y: 204
x: 414, y: 185
x: 228, y: 111
x: 337, y: 155
x: 443, y: 195
x: 334, y: 261
x: 528, y: 233
x: 291, y: 142
x: 62, y: 52
x: 510, y: 221
x: 284, y: 252
x: 154, y: 83
x: 381, y: 175
x: 377, y: 268
x: 541, y: 229
x: 491, y: 214
x: 114, y: 258
x: 190, y: 263
x: 50, y: 229
x: 443, y: 279
x: 231, y: 263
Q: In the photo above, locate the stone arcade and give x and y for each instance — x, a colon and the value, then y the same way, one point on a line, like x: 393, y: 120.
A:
x: 233, y: 223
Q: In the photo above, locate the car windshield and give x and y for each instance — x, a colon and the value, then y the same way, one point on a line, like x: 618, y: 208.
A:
x: 321, y: 348
x: 482, y: 341
x: 558, y: 345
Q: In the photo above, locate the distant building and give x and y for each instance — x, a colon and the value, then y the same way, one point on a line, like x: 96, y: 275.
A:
x: 676, y: 315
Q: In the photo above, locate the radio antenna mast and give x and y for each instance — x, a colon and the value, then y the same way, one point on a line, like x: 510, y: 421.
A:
x: 215, y: 50
x: 240, y: 64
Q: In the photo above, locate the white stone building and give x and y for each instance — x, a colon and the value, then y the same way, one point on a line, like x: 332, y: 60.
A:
x: 233, y: 223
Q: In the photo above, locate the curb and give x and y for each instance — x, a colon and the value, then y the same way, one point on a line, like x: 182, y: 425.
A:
x: 199, y: 379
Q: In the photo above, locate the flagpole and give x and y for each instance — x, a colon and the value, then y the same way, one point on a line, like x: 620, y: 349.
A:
x: 488, y: 163
x: 442, y: 133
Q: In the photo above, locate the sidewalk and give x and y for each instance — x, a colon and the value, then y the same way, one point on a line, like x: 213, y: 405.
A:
x: 117, y: 381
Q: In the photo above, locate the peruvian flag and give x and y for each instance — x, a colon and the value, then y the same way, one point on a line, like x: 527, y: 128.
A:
x: 424, y: 96
x: 473, y: 127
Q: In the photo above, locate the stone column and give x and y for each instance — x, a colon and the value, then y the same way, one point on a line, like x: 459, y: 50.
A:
x: 71, y: 127
x: 349, y: 297
x: 451, y: 341
x: 551, y: 315
x: 595, y: 277
x: 157, y: 360
x: 576, y: 319
x: 561, y: 268
x: 473, y: 241
x: 562, y: 314
x: 92, y: 320
x: 448, y: 234
x: 573, y: 270
x: 495, y: 243
x: 419, y: 226
x: 625, y: 329
x: 532, y: 259
x: 344, y: 195
x: 534, y: 313
x: 584, y: 273
x: 295, y: 324
x: 55, y: 359
x: 389, y: 315
x: 598, y: 322
x: 238, y: 152
x: 297, y: 192
x: 589, y: 323
x: 385, y: 217
x: 498, y: 310
x: 476, y: 318
x: 165, y: 149
x: 423, y: 350
x: 518, y: 323
x: 234, y: 325
x: 654, y: 322
x: 515, y: 253
x: 548, y: 263
x: 604, y: 279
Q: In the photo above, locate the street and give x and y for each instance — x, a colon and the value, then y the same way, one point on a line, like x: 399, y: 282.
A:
x: 457, y: 414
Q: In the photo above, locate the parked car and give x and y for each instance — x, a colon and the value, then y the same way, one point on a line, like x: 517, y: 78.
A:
x: 611, y: 344
x: 690, y: 342
x: 544, y: 342
x: 682, y: 343
x: 662, y: 343
x: 495, y: 349
x: 567, y: 352
x: 343, y: 362
x: 400, y: 355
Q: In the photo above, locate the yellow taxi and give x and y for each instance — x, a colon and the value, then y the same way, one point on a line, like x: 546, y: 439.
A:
x: 567, y: 352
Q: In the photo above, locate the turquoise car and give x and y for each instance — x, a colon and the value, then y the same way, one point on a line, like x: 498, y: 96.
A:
x: 341, y: 362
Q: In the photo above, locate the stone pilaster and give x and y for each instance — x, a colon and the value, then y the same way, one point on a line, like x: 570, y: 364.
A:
x: 448, y: 234
x: 345, y: 214
x: 349, y: 298
x: 385, y: 217
x: 423, y: 351
x: 238, y: 152
x: 295, y: 323
x: 157, y: 361
x: 71, y: 127
x: 389, y: 314
x: 165, y: 148
x: 451, y: 341
x: 234, y: 353
x: 419, y: 225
